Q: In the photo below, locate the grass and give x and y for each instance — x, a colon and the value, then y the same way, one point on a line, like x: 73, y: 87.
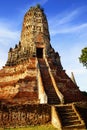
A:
x: 42, y: 127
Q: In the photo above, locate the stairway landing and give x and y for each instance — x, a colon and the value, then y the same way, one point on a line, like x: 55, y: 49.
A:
x: 69, y: 118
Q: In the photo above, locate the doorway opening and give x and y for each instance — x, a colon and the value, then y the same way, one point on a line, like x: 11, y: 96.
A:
x: 39, y: 52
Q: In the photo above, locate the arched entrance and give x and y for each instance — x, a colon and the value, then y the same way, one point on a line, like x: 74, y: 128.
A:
x: 39, y: 52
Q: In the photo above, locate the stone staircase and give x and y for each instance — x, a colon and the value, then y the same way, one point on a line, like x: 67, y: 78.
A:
x: 66, y: 86
x: 47, y: 83
x: 69, y: 117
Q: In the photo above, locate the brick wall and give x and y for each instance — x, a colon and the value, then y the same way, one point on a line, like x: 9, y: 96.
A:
x: 20, y: 116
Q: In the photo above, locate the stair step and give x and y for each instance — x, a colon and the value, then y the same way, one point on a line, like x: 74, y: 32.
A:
x: 47, y: 83
x: 69, y: 117
x: 67, y: 114
x: 66, y: 110
x: 65, y: 107
x: 71, y: 121
x: 68, y: 127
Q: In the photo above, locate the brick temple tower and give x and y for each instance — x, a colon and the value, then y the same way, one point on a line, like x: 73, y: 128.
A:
x: 35, y: 38
x: 33, y: 73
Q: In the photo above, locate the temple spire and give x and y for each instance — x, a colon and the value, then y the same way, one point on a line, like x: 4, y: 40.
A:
x: 35, y: 37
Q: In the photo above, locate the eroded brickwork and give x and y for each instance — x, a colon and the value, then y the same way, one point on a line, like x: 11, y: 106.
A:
x: 19, y: 83
x: 24, y: 115
x: 34, y: 35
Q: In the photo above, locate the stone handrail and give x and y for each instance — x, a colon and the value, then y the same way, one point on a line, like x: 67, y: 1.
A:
x: 73, y: 106
x: 61, y: 97
x: 41, y: 92
x: 56, y: 122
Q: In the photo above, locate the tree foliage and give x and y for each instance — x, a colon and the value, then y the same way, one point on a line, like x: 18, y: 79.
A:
x: 83, y: 57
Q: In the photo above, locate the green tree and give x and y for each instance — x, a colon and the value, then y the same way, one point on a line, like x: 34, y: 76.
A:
x: 83, y: 57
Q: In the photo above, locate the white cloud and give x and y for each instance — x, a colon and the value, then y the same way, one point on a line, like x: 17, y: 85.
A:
x: 2, y: 63
x: 8, y: 38
x: 3, y: 57
x: 8, y: 33
x: 70, y: 29
x: 71, y: 63
x: 67, y: 17
x: 65, y: 23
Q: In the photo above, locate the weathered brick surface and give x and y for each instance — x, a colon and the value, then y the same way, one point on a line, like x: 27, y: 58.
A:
x: 66, y: 86
x: 19, y: 82
x: 34, y: 34
x: 24, y: 115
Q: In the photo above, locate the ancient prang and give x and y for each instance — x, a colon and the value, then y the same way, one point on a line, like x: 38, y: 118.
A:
x: 34, y: 87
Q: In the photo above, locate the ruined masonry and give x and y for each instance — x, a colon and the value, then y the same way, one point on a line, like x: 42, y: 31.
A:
x: 34, y: 87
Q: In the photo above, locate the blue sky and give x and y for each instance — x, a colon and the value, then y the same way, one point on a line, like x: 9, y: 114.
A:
x: 67, y: 21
